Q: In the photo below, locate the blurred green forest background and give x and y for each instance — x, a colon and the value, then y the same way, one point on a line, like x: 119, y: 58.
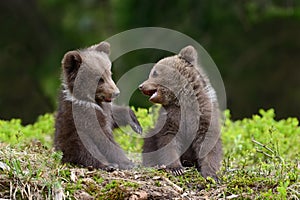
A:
x: 255, y: 44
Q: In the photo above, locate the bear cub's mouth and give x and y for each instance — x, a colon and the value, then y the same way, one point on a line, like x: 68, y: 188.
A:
x: 107, y: 99
x: 100, y: 99
x: 151, y: 93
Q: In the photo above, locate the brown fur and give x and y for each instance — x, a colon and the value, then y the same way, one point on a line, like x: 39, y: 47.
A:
x: 187, y: 132
x: 86, y: 114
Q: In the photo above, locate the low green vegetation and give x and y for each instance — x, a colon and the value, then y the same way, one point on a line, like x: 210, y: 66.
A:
x: 12, y: 132
x: 261, y: 161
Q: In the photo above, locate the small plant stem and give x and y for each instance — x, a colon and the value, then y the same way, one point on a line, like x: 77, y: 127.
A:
x: 176, y: 187
x: 260, y: 151
x: 262, y: 145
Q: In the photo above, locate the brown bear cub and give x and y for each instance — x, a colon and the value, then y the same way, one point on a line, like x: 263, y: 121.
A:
x: 187, y: 132
x: 85, y: 116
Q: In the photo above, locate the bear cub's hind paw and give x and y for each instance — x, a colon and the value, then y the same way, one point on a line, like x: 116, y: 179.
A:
x: 127, y: 165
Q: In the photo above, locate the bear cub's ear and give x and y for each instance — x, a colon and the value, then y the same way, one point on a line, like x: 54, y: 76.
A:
x: 71, y: 61
x: 104, y: 47
x: 189, y: 54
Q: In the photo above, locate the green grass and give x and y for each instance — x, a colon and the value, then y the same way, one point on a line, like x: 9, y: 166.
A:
x: 261, y: 161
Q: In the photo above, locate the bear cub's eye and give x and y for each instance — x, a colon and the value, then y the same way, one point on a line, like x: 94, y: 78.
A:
x: 154, y: 74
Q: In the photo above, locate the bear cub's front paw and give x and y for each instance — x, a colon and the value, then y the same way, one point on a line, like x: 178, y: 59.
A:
x: 176, y: 171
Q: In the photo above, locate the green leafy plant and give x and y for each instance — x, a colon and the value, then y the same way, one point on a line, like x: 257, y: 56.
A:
x: 13, y: 132
x: 262, y: 154
x: 261, y: 137
x: 131, y: 141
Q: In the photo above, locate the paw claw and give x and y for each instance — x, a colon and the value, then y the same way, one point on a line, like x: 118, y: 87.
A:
x: 178, y: 171
x: 110, y: 168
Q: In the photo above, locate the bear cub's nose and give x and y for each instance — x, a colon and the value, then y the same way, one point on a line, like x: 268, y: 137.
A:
x: 141, y: 87
x: 115, y: 94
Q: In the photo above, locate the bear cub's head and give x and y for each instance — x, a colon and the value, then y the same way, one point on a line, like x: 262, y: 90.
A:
x: 168, y: 77
x: 87, y: 74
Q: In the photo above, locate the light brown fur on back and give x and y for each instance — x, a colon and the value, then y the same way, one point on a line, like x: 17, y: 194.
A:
x: 187, y: 132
